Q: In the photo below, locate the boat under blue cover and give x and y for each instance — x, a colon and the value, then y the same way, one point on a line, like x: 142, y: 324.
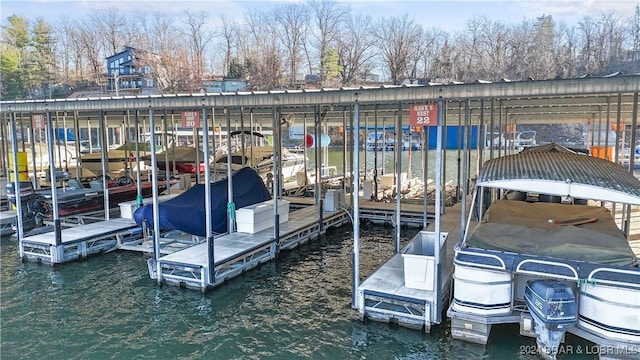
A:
x: 186, y: 212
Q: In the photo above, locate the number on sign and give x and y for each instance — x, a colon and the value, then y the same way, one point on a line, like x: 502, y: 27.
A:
x: 191, y: 119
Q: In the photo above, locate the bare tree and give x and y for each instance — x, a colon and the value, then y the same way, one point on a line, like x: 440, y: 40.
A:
x: 199, y: 37
x: 634, y: 32
x: 263, y: 60
x: 328, y: 17
x: 397, y: 39
x: 110, y: 25
x: 566, y: 57
x: 292, y: 20
x: 89, y: 40
x: 540, y: 54
x: 64, y: 34
x: 165, y: 52
x: 355, y: 49
x: 230, y: 37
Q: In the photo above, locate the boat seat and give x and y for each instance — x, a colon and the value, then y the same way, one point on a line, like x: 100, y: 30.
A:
x: 95, y: 185
x: 74, y: 184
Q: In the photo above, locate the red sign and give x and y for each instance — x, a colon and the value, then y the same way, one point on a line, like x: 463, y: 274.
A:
x: 191, y: 119
x: 423, y: 115
x: 37, y: 121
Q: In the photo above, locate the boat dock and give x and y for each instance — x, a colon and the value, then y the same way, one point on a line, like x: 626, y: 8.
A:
x: 414, y: 298
x: 6, y: 221
x: 237, y: 252
x: 375, y: 211
x: 78, y: 242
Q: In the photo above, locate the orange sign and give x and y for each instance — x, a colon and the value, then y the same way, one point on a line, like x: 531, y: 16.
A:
x: 37, y: 121
x: 423, y: 114
x: 510, y: 127
x: 191, y: 119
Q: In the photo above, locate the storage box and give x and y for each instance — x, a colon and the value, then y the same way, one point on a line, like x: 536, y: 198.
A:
x: 257, y: 217
x: 333, y: 200
x: 127, y: 208
x: 367, y: 189
x: 420, y: 264
x: 387, y: 181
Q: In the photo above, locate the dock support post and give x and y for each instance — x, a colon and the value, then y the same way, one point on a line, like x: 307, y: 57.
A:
x: 355, y: 196
x: 57, y: 227
x: 207, y: 193
x: 212, y: 273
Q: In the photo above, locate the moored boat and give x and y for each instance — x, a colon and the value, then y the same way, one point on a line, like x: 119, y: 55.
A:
x: 74, y: 198
x: 255, y: 152
x: 545, y: 260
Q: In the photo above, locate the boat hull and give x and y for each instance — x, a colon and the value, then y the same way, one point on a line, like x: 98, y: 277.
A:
x: 610, y: 311
x: 482, y: 291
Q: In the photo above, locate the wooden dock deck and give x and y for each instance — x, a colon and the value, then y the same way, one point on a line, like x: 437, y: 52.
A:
x: 237, y: 252
x: 377, y: 212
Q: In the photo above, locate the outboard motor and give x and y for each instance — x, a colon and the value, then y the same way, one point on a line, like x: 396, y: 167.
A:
x: 552, y: 305
x: 28, y: 199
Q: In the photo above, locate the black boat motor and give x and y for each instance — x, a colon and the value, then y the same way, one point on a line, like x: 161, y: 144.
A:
x: 29, y: 203
x: 552, y: 305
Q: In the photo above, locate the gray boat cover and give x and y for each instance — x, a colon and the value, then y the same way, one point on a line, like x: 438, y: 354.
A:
x: 528, y: 228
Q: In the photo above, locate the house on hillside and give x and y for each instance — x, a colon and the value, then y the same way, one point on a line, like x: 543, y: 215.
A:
x: 128, y: 74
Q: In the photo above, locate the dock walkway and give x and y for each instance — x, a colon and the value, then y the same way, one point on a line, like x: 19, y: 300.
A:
x: 237, y: 252
x: 78, y: 242
x: 383, y: 295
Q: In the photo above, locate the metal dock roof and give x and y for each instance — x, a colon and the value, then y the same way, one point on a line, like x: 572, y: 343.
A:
x: 563, y: 174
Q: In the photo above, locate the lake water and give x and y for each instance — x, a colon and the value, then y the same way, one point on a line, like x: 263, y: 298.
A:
x: 294, y: 307
x: 297, y: 306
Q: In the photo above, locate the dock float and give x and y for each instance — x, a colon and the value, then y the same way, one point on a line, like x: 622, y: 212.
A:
x: 6, y: 222
x: 412, y: 288
x: 78, y: 242
x: 237, y: 252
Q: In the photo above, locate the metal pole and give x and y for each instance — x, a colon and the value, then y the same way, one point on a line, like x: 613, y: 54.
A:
x: 375, y: 154
x: 465, y: 174
x: 318, y: 185
x: 344, y: 151
x: 632, y: 144
x: 137, y: 145
x: 54, y: 194
x: 207, y: 199
x: 277, y: 127
x: 459, y: 160
x: 439, y: 169
x: 33, y: 157
x: 16, y: 182
x: 105, y: 158
x: 480, y: 135
x: 156, y: 207
x: 492, y: 122
x: 398, y: 149
x: 356, y: 207
x: 230, y: 227
x: 606, y: 134
x: 76, y: 125
x: 425, y: 174
x: 165, y: 147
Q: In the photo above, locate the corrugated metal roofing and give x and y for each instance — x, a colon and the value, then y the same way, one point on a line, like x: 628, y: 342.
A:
x: 561, y: 173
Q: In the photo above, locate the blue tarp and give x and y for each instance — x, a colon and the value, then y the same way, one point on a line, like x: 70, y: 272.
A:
x: 60, y: 135
x: 186, y: 212
x: 451, y: 139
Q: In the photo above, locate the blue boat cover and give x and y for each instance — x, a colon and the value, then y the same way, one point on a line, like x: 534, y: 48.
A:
x: 186, y: 212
